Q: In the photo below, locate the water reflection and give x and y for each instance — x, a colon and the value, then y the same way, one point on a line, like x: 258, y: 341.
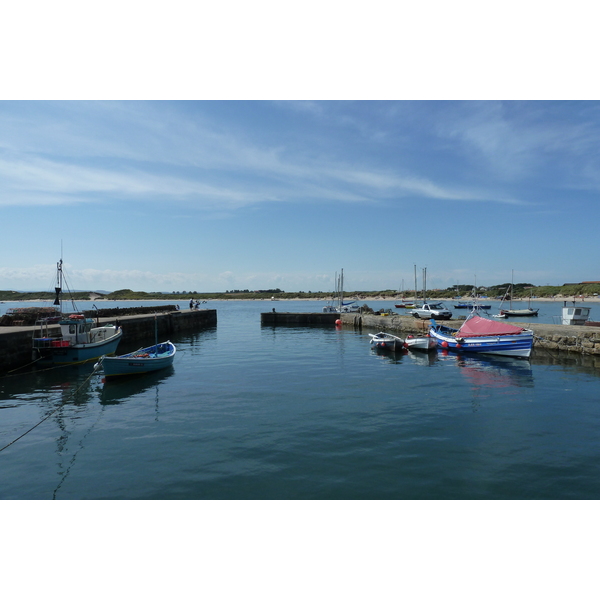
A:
x: 425, y: 359
x: 110, y: 392
x: 122, y: 388
x: 65, y: 468
x: 62, y: 381
x: 390, y: 356
x: 571, y: 361
x: 495, y: 372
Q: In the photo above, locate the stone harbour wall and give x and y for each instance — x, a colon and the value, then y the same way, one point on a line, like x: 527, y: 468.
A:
x: 565, y: 338
x: 16, y: 342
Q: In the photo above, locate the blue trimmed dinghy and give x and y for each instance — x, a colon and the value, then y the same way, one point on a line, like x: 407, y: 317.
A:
x: 485, y: 336
x: 144, y: 360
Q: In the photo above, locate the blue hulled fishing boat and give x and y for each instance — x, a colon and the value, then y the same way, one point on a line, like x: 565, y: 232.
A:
x: 478, y: 334
x: 80, y: 339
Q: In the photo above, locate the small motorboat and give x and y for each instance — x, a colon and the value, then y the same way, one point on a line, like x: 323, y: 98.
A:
x: 424, y: 343
x: 144, y: 360
x: 386, y: 341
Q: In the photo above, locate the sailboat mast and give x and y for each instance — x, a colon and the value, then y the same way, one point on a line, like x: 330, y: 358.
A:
x: 415, y: 284
x: 512, y: 286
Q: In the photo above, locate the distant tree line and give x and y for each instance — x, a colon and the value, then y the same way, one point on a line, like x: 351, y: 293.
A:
x: 273, y: 291
x: 520, y: 290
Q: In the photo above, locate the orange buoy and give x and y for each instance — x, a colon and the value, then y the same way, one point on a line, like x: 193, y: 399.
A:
x: 444, y: 344
x: 338, y: 322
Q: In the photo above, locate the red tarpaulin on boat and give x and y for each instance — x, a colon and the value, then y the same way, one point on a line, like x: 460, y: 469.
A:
x: 478, y: 326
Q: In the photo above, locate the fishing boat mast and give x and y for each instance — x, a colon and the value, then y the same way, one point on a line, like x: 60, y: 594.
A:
x: 58, y: 289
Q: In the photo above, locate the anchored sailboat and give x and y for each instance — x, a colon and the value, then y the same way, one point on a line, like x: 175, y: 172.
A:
x: 518, y: 312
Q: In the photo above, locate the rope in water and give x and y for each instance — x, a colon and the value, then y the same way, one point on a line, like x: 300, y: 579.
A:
x: 55, y: 410
x: 21, y: 367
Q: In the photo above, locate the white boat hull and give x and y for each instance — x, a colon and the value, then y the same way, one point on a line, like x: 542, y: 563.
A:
x: 520, y: 312
x: 424, y: 343
x: 386, y: 341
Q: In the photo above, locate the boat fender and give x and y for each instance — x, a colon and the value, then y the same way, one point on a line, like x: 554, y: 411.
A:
x: 444, y: 344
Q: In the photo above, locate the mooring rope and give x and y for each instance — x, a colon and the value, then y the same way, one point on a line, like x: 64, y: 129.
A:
x: 21, y: 367
x: 13, y: 374
x: 55, y: 410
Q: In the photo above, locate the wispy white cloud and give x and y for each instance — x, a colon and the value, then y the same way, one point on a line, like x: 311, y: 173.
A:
x: 162, y: 153
x: 517, y: 141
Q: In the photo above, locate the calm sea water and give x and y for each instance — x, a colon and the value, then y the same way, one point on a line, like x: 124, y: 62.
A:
x: 251, y: 412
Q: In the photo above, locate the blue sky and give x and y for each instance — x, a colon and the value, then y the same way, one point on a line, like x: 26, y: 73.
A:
x: 216, y: 195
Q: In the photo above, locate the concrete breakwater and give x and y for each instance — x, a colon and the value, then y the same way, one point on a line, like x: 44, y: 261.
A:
x: 29, y: 316
x: 295, y: 319
x: 565, y: 338
x: 16, y: 342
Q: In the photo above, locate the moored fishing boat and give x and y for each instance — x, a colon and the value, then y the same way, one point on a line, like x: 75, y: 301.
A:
x: 144, y: 360
x: 478, y: 334
x: 386, y: 341
x: 78, y: 341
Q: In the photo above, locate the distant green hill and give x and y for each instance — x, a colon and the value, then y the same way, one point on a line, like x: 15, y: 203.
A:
x: 521, y: 290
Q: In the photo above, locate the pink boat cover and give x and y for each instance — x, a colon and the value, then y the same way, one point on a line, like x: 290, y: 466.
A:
x: 478, y: 326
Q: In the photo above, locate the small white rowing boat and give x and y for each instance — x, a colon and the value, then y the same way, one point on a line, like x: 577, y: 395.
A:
x: 425, y: 343
x: 386, y: 341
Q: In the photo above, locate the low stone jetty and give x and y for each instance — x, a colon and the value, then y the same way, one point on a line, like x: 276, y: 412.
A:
x: 16, y: 341
x: 296, y: 319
